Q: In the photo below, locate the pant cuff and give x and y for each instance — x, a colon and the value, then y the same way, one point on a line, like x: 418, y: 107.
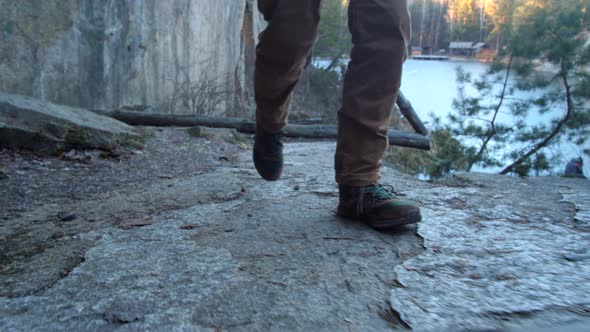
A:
x: 269, y: 126
x: 357, y: 181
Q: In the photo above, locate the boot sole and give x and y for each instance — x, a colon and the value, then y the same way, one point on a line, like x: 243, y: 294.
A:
x: 412, y: 217
x: 269, y: 176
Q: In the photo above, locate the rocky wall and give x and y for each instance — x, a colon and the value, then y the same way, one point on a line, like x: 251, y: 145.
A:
x: 178, y: 55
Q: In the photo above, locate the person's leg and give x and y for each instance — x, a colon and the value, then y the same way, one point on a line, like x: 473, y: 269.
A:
x: 380, y: 34
x: 280, y: 56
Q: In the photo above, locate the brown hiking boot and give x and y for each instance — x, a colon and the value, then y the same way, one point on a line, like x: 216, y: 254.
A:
x: 268, y: 154
x: 377, y: 206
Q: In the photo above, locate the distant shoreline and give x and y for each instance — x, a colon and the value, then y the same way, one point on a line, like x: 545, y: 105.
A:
x: 541, y: 67
x: 453, y: 59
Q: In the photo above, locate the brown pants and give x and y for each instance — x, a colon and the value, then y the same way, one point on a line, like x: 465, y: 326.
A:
x: 380, y: 34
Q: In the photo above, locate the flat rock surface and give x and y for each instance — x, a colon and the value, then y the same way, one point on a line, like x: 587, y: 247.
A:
x: 500, y: 253
x: 226, y: 250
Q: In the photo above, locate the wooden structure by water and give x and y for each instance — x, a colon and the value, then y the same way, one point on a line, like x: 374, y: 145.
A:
x: 430, y: 57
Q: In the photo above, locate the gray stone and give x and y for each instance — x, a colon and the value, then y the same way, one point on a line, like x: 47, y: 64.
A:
x: 509, y: 257
x: 263, y: 256
x: 577, y: 256
x: 49, y: 128
x: 124, y: 311
x: 30, y: 247
x: 274, y: 270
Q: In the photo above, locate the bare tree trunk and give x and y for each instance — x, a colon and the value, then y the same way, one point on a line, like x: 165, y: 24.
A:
x: 451, y: 20
x: 441, y: 8
x: 481, y: 18
x: 422, y: 24
x: 431, y: 20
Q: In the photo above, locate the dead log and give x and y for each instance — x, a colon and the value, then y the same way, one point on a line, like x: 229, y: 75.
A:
x: 396, y: 137
x: 408, y: 111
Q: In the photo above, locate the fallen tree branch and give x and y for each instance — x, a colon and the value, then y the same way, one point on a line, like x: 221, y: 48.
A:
x: 396, y: 137
x: 410, y: 114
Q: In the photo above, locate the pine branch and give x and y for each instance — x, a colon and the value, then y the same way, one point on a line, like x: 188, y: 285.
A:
x: 492, y: 132
x: 555, y: 131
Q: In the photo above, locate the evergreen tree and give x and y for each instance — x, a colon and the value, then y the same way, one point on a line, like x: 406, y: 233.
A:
x: 500, y: 13
x: 548, y: 32
x: 334, y: 41
x: 554, y: 32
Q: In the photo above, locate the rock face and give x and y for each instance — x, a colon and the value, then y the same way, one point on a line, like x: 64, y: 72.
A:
x: 27, y: 123
x: 105, y: 54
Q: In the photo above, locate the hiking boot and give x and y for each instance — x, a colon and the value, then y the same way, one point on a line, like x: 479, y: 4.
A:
x: 268, y: 155
x: 377, y: 206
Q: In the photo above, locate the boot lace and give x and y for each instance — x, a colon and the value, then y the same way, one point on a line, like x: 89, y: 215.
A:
x: 374, y: 193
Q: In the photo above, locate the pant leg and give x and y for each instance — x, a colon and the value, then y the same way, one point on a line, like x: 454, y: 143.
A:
x: 280, y: 55
x: 380, y: 34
